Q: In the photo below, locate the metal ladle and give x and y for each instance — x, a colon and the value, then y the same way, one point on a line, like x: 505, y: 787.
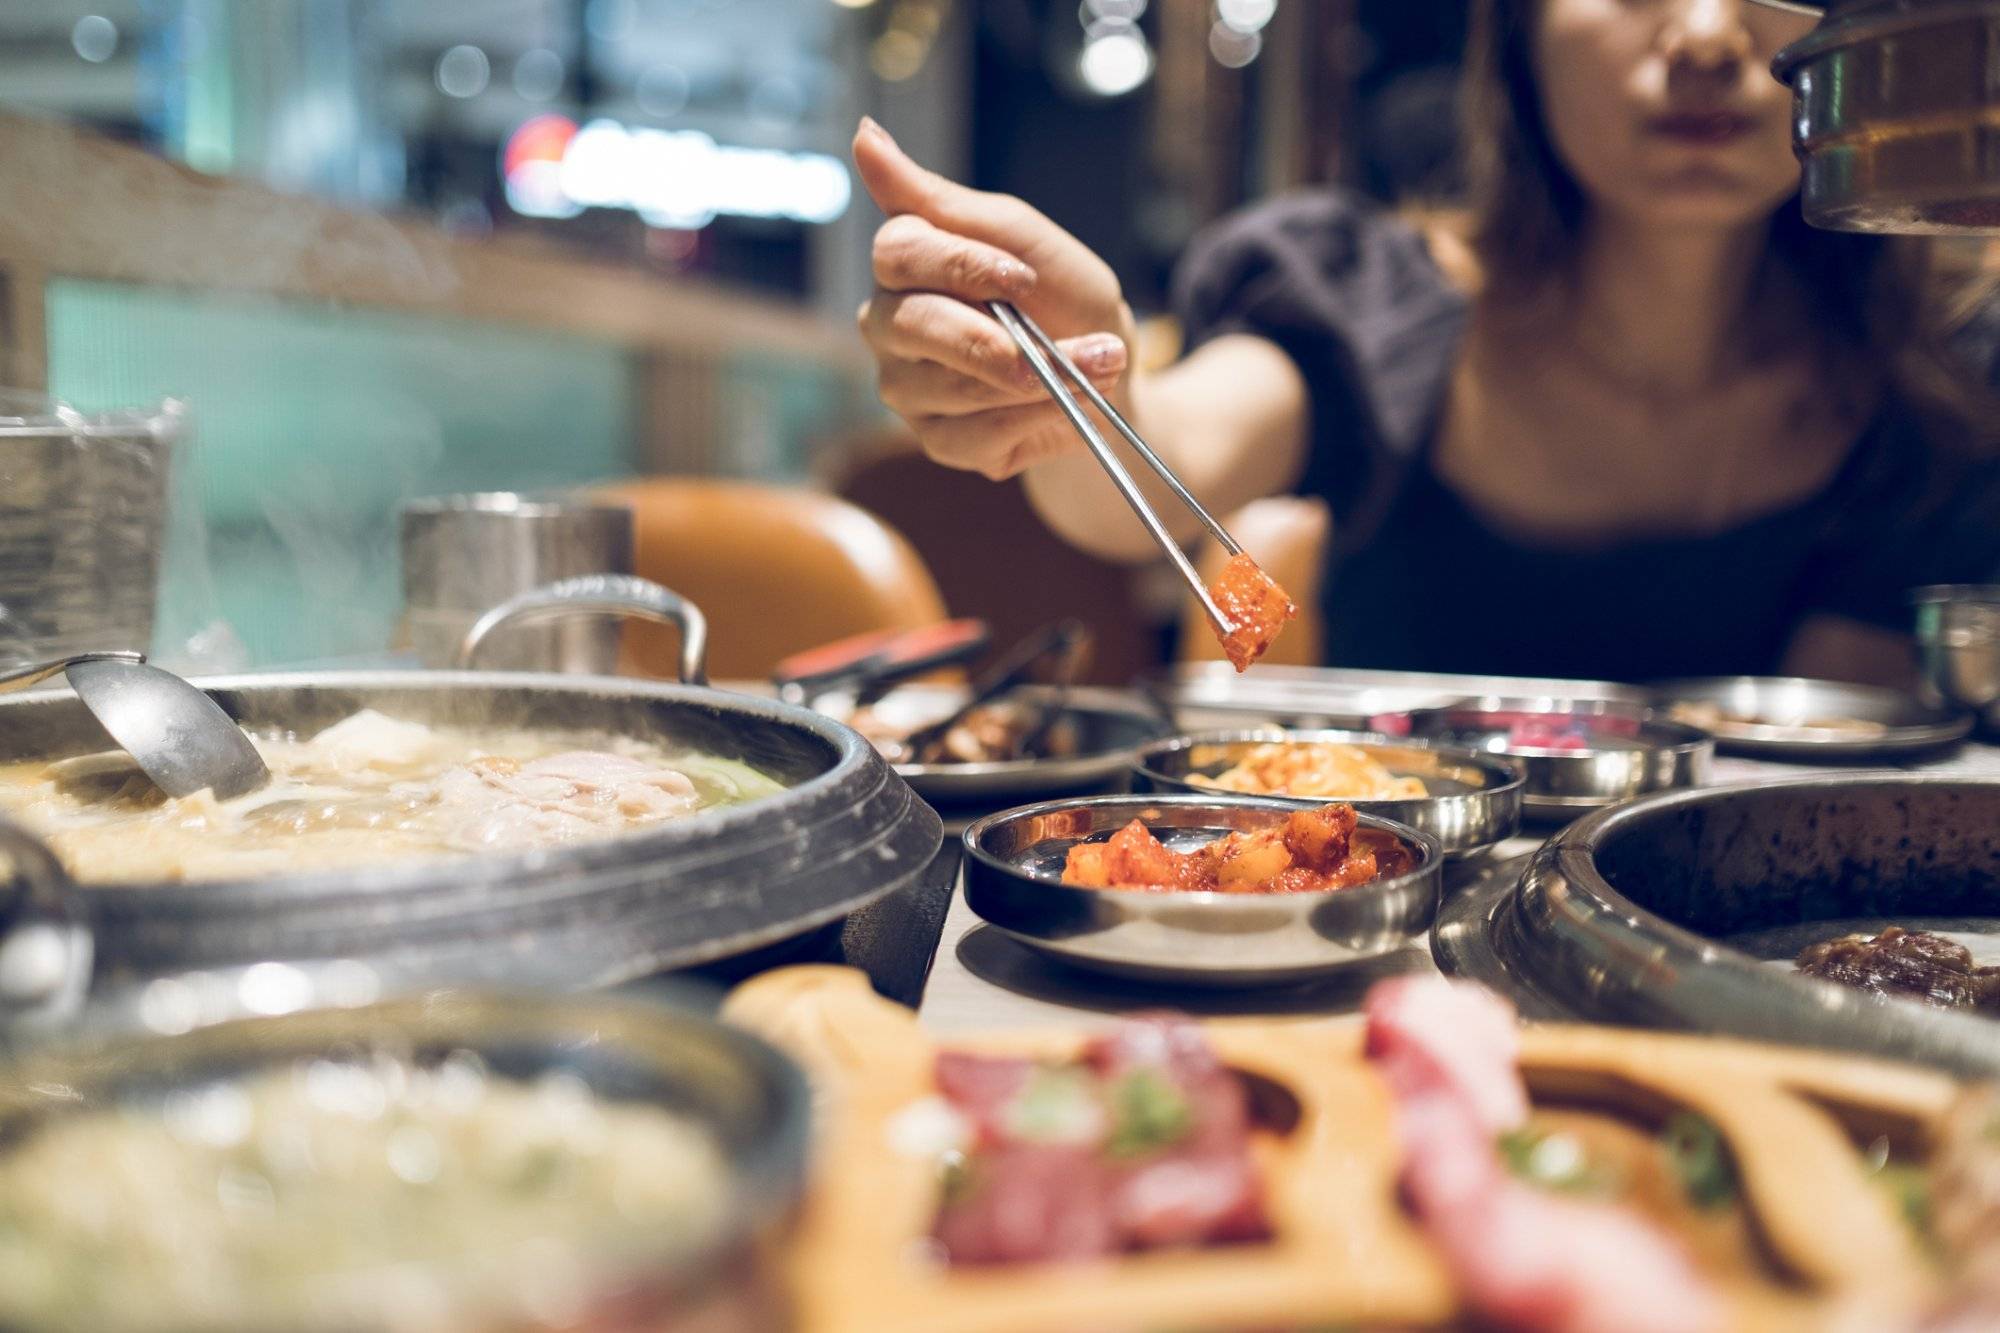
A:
x: 178, y: 736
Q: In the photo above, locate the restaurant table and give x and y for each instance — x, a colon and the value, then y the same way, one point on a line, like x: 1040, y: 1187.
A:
x: 982, y: 979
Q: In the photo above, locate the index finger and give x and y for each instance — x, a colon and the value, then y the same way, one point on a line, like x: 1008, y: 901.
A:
x: 899, y: 185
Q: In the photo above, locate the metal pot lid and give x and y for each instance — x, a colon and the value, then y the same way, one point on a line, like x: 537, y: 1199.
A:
x: 716, y: 884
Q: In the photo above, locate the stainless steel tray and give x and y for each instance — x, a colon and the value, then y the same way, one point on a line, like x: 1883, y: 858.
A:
x: 1474, y: 801
x: 1891, y: 723
x: 1681, y: 910
x: 1013, y: 879
x: 1351, y: 699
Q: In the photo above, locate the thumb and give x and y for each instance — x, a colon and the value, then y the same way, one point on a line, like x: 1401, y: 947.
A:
x: 893, y: 180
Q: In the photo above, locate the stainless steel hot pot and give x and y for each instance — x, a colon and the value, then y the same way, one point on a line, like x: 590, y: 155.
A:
x: 720, y: 883
x: 1685, y: 910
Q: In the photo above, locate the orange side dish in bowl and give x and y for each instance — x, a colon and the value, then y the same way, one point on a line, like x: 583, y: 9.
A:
x: 1254, y: 610
x: 1311, y: 852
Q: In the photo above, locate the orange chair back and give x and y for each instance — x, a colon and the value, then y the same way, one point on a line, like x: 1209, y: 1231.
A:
x: 1287, y: 535
x: 995, y: 559
x: 776, y: 570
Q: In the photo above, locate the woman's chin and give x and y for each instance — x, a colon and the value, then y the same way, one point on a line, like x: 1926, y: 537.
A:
x: 1700, y: 196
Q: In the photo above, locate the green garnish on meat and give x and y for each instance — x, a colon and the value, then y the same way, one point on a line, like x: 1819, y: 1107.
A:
x: 1148, y: 1113
x: 1556, y: 1161
x: 1910, y: 1186
x: 955, y: 1178
x: 1701, y: 1160
x: 1059, y: 1105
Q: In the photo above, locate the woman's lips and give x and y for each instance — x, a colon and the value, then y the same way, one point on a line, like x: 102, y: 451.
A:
x: 1701, y: 127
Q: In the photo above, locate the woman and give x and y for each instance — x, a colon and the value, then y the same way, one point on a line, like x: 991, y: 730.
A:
x: 1633, y: 420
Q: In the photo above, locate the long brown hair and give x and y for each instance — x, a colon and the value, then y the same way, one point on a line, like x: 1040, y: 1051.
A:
x: 1879, y: 303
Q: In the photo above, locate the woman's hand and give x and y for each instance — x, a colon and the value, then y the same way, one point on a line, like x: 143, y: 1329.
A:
x: 946, y: 366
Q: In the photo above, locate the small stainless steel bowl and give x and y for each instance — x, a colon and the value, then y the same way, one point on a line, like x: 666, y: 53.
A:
x: 1474, y: 801
x: 183, y: 1036
x: 1624, y: 751
x: 1013, y: 879
x: 1958, y: 639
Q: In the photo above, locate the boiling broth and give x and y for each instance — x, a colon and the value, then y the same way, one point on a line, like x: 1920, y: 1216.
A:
x: 369, y: 790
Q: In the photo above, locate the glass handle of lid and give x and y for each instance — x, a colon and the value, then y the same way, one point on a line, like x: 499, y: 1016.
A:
x: 45, y: 940
x: 601, y: 594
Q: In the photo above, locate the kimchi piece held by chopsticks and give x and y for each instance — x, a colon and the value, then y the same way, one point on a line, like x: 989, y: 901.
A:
x: 1311, y: 852
x: 1254, y: 608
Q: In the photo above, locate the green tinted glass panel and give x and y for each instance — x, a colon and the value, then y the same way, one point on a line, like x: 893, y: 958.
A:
x: 312, y: 423
x: 775, y: 410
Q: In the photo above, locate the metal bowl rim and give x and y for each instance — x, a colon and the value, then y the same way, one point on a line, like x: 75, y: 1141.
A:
x: 1430, y: 859
x: 1870, y: 23
x: 1590, y: 832
x: 1573, y: 849
x: 1962, y: 594
x: 1489, y: 763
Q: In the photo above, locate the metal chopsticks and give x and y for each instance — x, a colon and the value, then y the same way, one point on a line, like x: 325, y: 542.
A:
x: 1044, y: 356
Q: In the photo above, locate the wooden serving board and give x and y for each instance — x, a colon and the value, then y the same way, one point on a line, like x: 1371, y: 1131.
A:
x: 1828, y: 1245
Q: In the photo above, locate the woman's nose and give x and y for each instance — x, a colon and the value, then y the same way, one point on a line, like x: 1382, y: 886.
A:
x: 1708, y: 34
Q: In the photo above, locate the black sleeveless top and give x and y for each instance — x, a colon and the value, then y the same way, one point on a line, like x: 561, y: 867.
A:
x: 1417, y: 581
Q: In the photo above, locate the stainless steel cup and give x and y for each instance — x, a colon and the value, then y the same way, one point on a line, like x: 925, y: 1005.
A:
x: 465, y: 554
x: 1958, y: 641
x: 83, y: 508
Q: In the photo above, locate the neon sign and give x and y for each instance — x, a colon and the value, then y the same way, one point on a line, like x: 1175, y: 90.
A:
x: 554, y: 168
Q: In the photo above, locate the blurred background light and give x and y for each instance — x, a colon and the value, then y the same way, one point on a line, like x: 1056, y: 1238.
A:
x: 680, y: 179
x: 538, y: 74
x: 897, y: 55
x: 1245, y: 16
x: 610, y: 20
x: 662, y: 91
x: 1115, y: 60
x: 95, y: 38
x: 463, y: 71
x: 1231, y: 48
x: 778, y: 100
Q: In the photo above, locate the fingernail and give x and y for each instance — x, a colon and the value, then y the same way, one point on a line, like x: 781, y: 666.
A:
x: 1014, y: 276
x: 869, y: 125
x: 1100, y: 354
